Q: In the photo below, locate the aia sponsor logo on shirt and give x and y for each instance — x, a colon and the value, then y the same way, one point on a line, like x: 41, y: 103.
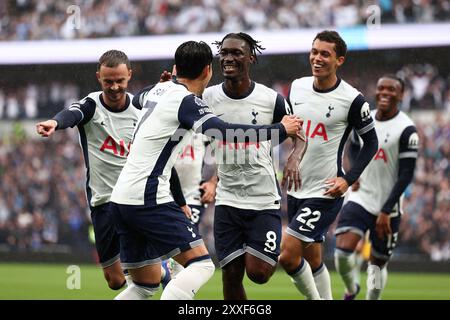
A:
x: 314, y: 131
x: 188, y: 153
x: 119, y: 149
x: 380, y: 155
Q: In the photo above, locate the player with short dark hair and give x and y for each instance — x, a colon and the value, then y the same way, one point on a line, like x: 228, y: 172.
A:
x: 105, y: 120
x: 376, y: 204
x: 150, y: 226
x: 331, y: 108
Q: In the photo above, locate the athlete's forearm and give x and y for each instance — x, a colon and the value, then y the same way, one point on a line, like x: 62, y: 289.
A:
x: 175, y: 188
x: 67, y: 118
x: 229, y: 132
x: 300, y: 147
x: 405, y: 176
x: 366, y: 154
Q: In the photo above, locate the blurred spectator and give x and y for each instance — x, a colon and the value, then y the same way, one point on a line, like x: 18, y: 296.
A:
x: 42, y: 19
x: 42, y: 197
x: 426, y: 89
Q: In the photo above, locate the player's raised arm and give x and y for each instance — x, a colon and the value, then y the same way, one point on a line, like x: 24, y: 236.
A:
x: 78, y: 113
x: 195, y: 114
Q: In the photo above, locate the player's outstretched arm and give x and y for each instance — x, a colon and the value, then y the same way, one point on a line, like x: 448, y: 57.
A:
x: 195, y: 114
x: 46, y: 128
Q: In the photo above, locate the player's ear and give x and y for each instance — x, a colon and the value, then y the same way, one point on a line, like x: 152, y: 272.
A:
x: 340, y: 61
x: 252, y: 58
x: 130, y: 73
x: 205, y: 72
x: 98, y: 76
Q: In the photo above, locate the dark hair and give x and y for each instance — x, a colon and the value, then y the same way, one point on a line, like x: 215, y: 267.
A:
x: 253, y: 44
x: 113, y: 58
x: 191, y: 58
x: 333, y: 37
x: 394, y: 77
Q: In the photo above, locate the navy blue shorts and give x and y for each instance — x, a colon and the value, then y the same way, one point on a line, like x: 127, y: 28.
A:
x: 237, y: 231
x: 309, y: 219
x: 150, y: 234
x: 106, y: 237
x: 197, y: 214
x: 358, y: 220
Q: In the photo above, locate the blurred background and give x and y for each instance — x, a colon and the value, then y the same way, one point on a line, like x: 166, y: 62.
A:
x: 48, y: 55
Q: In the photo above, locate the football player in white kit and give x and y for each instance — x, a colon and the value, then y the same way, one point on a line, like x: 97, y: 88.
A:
x: 330, y: 108
x: 189, y: 167
x: 247, y: 218
x: 151, y: 228
x: 105, y: 120
x: 376, y: 205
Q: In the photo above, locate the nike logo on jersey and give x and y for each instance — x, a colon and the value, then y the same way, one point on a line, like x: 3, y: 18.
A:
x: 219, y: 115
x: 298, y: 103
x: 302, y: 228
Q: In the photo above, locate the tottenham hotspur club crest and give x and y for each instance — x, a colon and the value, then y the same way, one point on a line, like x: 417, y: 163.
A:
x: 254, y: 114
x: 329, y: 111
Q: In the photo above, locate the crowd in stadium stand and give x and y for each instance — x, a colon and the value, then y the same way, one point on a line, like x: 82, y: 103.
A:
x: 44, y: 19
x: 426, y: 89
x: 42, y: 194
x: 427, y: 204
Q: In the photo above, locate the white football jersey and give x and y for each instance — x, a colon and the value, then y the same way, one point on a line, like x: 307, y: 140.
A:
x: 105, y: 137
x: 397, y: 139
x: 157, y: 142
x: 247, y: 178
x: 189, y: 168
x: 329, y: 117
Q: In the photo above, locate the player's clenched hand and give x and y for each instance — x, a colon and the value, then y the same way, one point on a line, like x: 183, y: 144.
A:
x: 336, y: 187
x: 209, y: 189
x: 383, y: 225
x: 291, y: 173
x: 165, y: 76
x: 187, y: 211
x: 46, y: 128
x: 292, y: 124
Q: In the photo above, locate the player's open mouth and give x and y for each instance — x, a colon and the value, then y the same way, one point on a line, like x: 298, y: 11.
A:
x: 229, y: 68
x: 317, y: 66
x: 384, y: 100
